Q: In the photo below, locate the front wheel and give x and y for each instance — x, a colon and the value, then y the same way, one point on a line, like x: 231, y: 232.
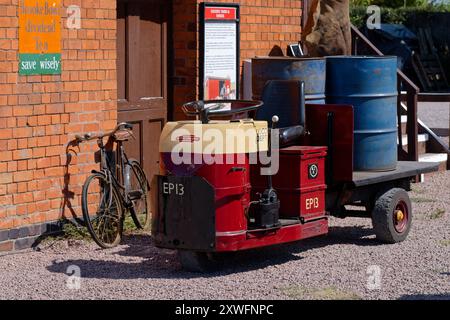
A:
x: 102, y: 211
x: 392, y: 216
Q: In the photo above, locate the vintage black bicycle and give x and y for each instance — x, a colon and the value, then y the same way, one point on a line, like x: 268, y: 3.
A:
x: 118, y: 188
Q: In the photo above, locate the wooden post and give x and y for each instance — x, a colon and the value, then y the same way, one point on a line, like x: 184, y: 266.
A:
x: 399, y: 118
x: 412, y: 126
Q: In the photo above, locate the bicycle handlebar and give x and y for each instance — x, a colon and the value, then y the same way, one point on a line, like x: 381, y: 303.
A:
x: 89, y: 136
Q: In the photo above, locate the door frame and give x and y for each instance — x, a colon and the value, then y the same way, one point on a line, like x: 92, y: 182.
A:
x: 148, y: 106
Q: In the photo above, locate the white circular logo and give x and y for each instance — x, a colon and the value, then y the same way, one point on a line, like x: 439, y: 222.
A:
x: 313, y: 171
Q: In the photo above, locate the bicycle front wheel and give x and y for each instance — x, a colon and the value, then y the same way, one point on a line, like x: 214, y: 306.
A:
x: 138, y: 192
x: 102, y: 211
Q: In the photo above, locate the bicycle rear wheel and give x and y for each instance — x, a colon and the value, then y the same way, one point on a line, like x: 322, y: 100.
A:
x: 102, y: 211
x: 137, y: 189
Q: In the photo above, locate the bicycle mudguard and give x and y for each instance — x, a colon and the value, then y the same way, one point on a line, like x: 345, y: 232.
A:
x: 130, y: 162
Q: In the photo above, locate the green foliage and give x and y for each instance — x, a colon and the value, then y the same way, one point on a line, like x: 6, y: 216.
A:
x: 357, y: 3
x: 445, y: 243
x: 437, y: 214
x: 358, y: 15
x: 399, y: 3
x: 128, y: 224
x: 74, y: 232
x: 399, y: 15
x: 421, y: 200
x: 328, y: 293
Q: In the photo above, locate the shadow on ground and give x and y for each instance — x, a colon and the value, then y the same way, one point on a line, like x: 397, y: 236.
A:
x: 158, y: 263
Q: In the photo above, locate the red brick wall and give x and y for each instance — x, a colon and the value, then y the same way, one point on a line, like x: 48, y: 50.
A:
x: 39, y: 116
x: 264, y: 25
x: 41, y: 173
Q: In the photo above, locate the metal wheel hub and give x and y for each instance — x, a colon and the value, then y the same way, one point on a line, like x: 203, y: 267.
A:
x: 401, y: 217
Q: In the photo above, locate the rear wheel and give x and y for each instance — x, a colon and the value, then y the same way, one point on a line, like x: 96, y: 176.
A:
x: 392, y: 216
x: 102, y: 211
x: 138, y: 192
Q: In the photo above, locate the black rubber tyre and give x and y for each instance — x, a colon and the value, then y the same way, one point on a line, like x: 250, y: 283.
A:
x: 387, y: 221
x: 105, y: 223
x: 199, y: 262
x: 141, y: 204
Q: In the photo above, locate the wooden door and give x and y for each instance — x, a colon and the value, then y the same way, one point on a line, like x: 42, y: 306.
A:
x: 142, y: 76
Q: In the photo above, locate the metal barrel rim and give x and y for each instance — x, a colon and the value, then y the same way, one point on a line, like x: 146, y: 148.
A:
x: 367, y: 57
x: 375, y: 131
x: 376, y: 95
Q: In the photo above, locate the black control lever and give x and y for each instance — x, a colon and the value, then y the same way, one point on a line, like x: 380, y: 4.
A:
x: 275, y: 120
x: 268, y: 207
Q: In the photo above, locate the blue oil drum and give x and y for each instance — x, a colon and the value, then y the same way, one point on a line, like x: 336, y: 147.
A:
x: 370, y: 85
x: 312, y: 71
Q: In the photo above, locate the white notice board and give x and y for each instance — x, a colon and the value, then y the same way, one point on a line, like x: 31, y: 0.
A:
x: 220, y: 52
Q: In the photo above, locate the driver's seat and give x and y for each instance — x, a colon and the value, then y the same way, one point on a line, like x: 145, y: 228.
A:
x: 286, y: 99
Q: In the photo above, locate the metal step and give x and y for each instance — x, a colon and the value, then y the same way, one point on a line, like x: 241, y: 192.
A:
x: 442, y: 158
x: 434, y: 143
x: 421, y: 138
x: 433, y: 157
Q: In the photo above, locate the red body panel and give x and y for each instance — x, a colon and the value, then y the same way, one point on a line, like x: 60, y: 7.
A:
x: 293, y: 172
x: 230, y: 179
x: 307, y: 203
x: 310, y: 202
x: 317, y: 126
x: 300, y: 194
x: 294, y: 167
x: 250, y: 240
x: 232, y: 186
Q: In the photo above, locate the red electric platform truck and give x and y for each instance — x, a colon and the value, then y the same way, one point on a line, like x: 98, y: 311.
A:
x: 230, y: 183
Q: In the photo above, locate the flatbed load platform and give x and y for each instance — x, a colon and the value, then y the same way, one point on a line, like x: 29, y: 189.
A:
x: 405, y: 169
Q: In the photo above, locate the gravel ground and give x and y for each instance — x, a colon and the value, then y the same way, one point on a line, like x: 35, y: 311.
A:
x: 332, y: 267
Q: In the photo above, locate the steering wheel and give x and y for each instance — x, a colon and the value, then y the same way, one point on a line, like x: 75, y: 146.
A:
x: 204, y: 109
